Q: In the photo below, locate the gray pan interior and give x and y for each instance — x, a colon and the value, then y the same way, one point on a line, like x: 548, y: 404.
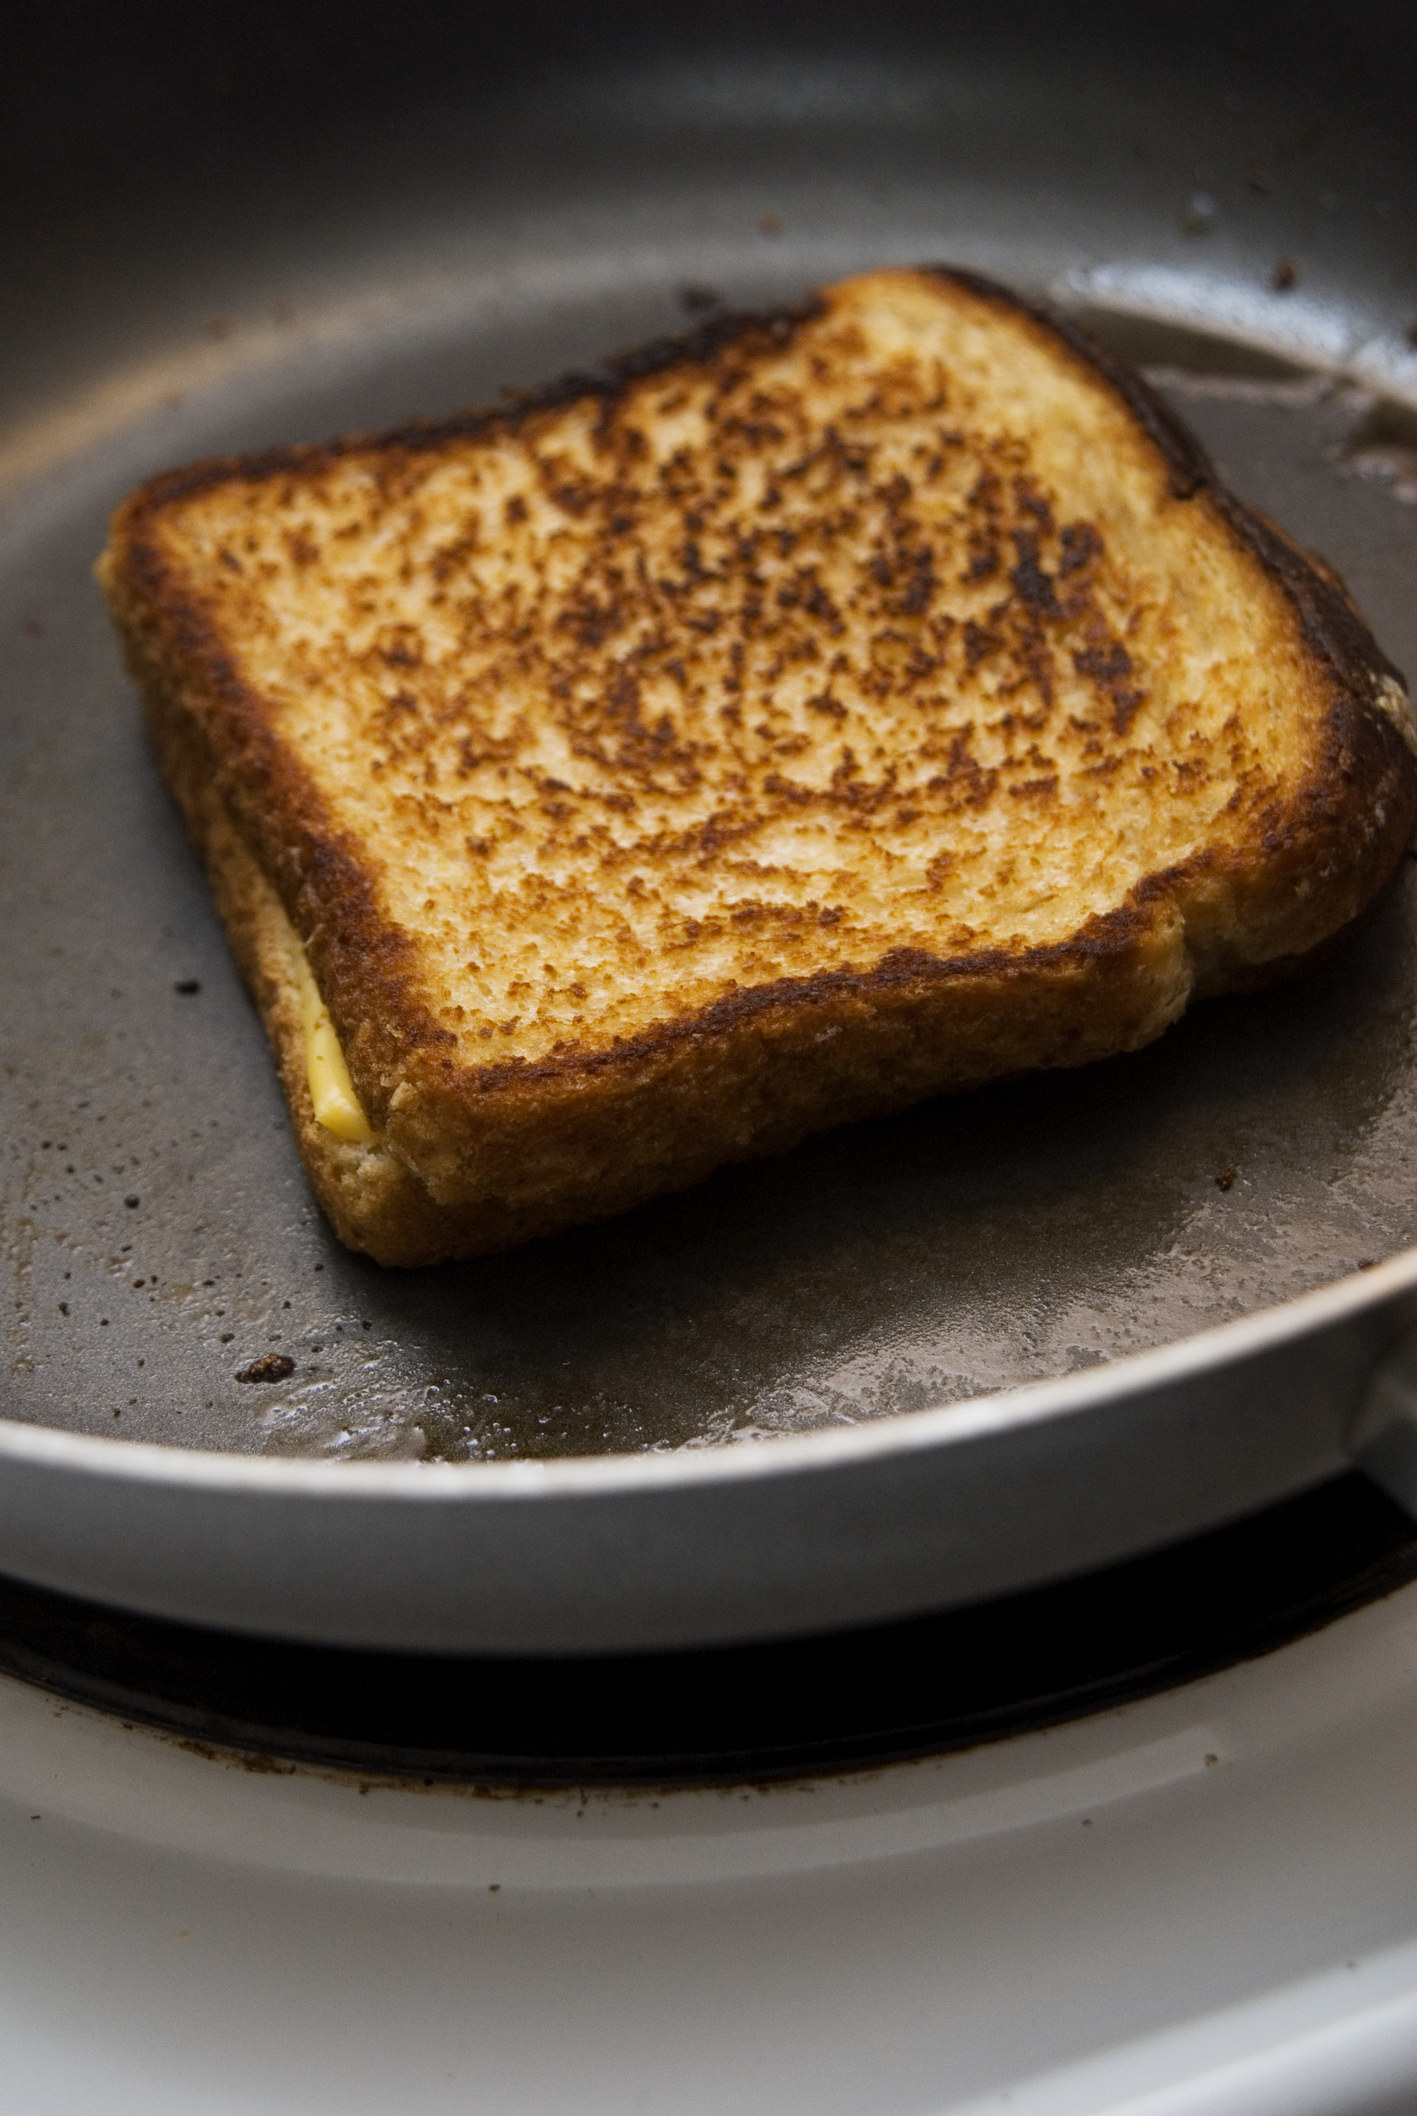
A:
x: 1243, y: 230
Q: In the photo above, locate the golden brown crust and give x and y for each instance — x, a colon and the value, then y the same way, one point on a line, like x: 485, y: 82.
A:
x: 1015, y: 669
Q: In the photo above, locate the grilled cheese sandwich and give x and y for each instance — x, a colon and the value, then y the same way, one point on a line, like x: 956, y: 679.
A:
x: 779, y: 726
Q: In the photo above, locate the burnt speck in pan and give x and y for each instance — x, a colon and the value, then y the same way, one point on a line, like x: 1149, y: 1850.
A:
x: 1383, y: 445
x: 1284, y: 276
x: 1225, y: 1180
x: 770, y: 224
x: 187, y: 986
x: 697, y: 300
x: 273, y: 1366
x: 132, y: 1202
x: 1367, y: 1263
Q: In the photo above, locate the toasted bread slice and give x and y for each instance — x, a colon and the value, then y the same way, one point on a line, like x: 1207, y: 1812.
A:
x: 788, y: 723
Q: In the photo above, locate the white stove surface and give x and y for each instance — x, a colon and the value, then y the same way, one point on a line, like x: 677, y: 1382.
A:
x: 1205, y: 1902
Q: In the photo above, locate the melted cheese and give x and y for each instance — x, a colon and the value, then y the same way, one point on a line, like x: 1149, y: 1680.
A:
x: 337, y: 1106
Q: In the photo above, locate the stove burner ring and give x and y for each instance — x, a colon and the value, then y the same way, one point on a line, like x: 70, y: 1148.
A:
x: 739, y: 1714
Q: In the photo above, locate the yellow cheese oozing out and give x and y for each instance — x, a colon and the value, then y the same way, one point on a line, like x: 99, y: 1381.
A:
x: 337, y: 1106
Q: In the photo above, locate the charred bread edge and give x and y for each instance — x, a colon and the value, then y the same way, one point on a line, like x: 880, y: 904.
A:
x: 360, y: 961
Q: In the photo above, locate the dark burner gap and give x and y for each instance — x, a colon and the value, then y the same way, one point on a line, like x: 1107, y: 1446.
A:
x: 917, y: 1687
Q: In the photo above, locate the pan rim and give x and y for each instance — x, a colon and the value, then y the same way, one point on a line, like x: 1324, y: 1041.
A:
x: 587, y: 1477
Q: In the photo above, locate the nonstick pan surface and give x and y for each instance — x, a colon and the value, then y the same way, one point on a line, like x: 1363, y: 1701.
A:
x: 1233, y: 209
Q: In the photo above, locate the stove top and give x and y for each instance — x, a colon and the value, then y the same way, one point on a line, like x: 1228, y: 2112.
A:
x: 1200, y: 1902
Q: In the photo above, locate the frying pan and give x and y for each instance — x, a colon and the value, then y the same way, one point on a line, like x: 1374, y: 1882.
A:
x: 1000, y: 1340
